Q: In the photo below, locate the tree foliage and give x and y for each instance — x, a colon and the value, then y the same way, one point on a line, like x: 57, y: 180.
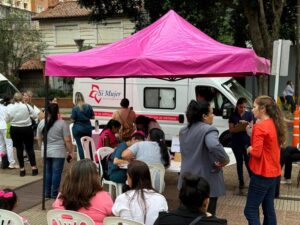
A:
x: 239, y: 22
x: 19, y: 42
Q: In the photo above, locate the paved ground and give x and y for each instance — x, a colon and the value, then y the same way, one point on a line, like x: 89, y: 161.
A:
x: 231, y: 206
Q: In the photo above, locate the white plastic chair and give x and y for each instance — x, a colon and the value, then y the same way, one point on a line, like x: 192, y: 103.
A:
x: 9, y: 217
x: 71, y: 132
x: 73, y: 139
x: 68, y: 217
x: 157, y: 170
x: 86, y: 141
x: 112, y: 220
x: 103, y: 152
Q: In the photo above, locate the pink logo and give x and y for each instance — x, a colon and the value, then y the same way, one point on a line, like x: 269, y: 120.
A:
x: 95, y: 93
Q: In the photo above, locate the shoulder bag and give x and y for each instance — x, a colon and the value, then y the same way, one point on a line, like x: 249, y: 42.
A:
x: 33, y: 123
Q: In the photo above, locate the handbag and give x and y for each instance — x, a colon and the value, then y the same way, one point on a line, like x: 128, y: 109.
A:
x: 33, y: 123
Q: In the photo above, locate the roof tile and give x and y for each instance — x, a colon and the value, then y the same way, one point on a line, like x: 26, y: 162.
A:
x: 63, y: 10
x: 32, y: 64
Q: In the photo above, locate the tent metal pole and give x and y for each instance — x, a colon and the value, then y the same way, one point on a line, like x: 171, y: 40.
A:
x: 45, y: 141
x: 124, y: 88
x: 253, y: 86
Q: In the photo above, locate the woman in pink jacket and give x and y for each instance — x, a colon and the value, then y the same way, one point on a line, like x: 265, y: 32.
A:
x: 81, y: 191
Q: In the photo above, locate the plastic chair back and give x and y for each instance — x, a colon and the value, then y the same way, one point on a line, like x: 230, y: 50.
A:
x: 112, y: 220
x: 102, y: 153
x: 157, y: 172
x: 89, y: 148
x: 68, y: 217
x: 8, y: 218
x: 71, y: 132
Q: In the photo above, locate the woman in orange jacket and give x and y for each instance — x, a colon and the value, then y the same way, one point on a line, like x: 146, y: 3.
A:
x: 267, y: 136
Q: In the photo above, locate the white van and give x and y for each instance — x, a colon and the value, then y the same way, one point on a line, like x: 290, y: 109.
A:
x: 6, y: 88
x: 165, y: 101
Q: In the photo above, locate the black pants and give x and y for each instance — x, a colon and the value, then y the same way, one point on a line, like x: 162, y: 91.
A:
x: 212, y: 206
x: 23, y: 136
x: 290, y: 101
x: 288, y: 156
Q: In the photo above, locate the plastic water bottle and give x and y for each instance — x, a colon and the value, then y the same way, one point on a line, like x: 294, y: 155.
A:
x: 96, y: 125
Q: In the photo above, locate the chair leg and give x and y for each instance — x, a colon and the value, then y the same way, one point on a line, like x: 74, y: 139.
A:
x: 110, y: 189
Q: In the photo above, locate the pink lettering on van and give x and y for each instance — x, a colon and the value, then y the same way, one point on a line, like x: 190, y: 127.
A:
x: 95, y: 93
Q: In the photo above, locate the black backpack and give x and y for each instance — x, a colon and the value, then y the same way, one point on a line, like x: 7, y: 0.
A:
x: 104, y: 162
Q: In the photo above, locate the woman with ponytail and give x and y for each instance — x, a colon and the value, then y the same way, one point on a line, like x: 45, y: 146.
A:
x: 267, y: 136
x: 201, y: 151
x: 152, y: 151
x: 58, y: 140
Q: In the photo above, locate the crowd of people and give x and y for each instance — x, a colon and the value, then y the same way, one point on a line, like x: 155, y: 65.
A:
x: 258, y: 138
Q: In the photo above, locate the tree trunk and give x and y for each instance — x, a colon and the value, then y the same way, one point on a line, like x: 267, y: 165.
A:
x: 259, y: 32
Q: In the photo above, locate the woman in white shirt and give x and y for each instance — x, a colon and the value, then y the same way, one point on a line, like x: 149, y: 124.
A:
x: 141, y: 203
x: 288, y: 94
x: 6, y: 144
x: 19, y: 116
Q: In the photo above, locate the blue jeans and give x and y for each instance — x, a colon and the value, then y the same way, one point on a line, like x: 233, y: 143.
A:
x: 240, y: 153
x: 261, y: 191
x: 54, y: 168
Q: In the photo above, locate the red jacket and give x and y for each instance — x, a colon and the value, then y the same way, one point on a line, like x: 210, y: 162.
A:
x: 265, y: 153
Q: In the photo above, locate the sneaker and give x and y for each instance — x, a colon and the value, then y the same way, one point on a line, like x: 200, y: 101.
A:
x: 13, y: 166
x: 286, y: 181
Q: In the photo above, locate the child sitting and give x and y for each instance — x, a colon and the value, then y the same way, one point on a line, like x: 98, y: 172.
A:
x: 8, y: 201
x: 116, y: 173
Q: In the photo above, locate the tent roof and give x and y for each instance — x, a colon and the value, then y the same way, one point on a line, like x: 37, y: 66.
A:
x: 170, y: 47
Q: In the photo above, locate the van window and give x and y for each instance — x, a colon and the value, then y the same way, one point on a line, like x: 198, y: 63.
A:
x: 216, y: 99
x: 6, y: 90
x: 237, y: 90
x: 159, y: 98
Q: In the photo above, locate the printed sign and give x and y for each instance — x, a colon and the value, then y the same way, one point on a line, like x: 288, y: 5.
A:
x: 175, y: 146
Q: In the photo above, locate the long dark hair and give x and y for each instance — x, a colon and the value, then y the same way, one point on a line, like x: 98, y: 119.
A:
x: 140, y: 176
x: 195, y: 111
x: 158, y: 136
x: 53, y: 112
x: 193, y: 192
x: 110, y: 124
x: 273, y: 111
x: 80, y: 185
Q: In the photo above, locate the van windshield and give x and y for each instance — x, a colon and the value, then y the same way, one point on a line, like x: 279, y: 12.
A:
x: 6, y: 89
x: 238, y: 90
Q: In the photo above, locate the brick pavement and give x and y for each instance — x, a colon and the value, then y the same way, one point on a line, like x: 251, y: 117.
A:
x: 230, y: 207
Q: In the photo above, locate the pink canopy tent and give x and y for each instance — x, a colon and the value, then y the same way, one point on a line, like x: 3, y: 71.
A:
x: 169, y: 48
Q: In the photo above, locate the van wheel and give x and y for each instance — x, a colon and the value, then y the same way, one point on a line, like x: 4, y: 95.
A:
x: 225, y: 139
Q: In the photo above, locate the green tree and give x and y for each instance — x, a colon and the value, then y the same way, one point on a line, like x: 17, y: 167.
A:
x: 20, y: 41
x: 257, y: 22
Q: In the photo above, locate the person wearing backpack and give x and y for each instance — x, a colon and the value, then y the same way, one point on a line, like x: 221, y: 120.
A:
x: 194, y: 199
x: 126, y: 116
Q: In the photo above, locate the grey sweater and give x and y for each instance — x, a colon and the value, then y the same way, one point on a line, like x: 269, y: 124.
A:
x: 200, y: 149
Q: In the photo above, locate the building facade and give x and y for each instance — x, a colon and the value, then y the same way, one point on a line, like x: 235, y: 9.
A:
x: 66, y: 22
